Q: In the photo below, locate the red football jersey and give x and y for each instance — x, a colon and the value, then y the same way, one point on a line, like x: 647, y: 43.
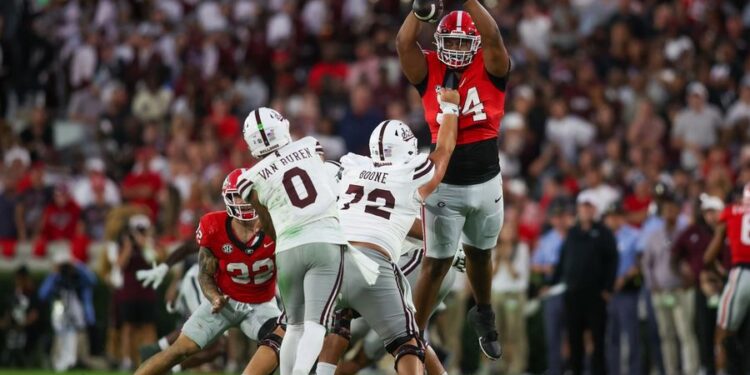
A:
x: 247, y: 271
x: 482, y: 101
x: 737, y: 219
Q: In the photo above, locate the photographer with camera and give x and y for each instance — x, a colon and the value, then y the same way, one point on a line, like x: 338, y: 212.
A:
x: 69, y: 289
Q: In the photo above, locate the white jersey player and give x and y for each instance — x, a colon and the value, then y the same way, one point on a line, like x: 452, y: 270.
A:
x: 299, y: 211
x: 379, y: 198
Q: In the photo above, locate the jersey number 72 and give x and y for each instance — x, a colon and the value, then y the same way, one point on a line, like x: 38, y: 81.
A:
x: 389, y: 201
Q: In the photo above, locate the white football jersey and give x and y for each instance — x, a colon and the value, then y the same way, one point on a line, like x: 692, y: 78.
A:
x: 301, y: 203
x: 378, y: 204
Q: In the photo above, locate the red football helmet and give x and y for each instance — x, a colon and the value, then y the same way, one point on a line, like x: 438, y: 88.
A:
x: 457, y: 39
x: 236, y: 206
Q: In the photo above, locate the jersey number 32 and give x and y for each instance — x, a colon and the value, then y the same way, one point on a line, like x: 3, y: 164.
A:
x: 262, y: 272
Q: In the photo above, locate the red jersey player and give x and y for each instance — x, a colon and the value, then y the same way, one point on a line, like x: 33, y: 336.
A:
x: 467, y: 206
x: 238, y: 278
x: 734, y: 308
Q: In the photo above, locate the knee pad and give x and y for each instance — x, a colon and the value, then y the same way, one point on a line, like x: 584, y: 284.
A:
x: 267, y: 328
x: 272, y: 341
x: 342, y: 323
x: 408, y: 349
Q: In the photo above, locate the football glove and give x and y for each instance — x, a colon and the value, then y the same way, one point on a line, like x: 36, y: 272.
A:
x: 427, y: 10
x: 459, y: 261
x: 154, y: 276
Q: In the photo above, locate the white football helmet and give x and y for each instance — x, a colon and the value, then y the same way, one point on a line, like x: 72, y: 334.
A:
x: 392, y: 142
x: 265, y: 131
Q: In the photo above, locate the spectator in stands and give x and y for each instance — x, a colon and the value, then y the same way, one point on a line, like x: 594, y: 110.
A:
x: 61, y: 221
x: 566, y: 131
x: 588, y: 266
x: 8, y: 203
x: 20, y: 323
x: 135, y: 304
x: 34, y: 194
x: 359, y: 121
x: 672, y: 298
x: 544, y: 262
x: 696, y: 127
x: 38, y: 137
x: 687, y: 253
x: 534, y: 31
x: 142, y: 184
x: 69, y: 291
x: 623, y: 306
x: 84, y: 188
x: 738, y: 115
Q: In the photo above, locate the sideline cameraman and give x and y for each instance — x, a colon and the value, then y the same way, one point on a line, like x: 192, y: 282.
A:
x: 69, y: 289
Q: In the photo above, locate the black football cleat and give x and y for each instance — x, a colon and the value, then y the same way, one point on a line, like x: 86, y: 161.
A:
x: 484, y: 325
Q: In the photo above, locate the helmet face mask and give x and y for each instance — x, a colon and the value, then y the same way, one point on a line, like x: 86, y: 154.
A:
x: 236, y: 207
x: 457, y: 40
x: 392, y: 142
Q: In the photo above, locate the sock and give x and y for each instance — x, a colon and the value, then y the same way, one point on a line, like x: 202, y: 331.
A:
x: 326, y: 369
x: 288, y: 351
x: 163, y: 343
x: 484, y: 308
x: 177, y: 368
x: 309, y: 347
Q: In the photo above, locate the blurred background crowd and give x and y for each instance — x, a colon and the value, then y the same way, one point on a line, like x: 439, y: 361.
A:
x: 636, y: 109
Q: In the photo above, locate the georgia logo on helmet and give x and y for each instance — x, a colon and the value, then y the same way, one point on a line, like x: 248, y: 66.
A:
x: 236, y: 206
x: 265, y: 131
x: 457, y: 39
x: 392, y: 142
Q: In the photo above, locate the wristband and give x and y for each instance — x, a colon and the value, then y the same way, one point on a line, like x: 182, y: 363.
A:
x: 449, y: 108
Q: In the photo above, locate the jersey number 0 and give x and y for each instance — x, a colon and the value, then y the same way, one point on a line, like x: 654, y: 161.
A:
x: 310, y: 194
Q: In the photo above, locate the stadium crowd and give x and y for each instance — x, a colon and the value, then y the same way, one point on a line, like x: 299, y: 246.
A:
x: 639, y: 110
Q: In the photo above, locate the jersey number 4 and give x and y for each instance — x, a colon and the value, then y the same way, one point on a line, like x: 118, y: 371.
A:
x: 389, y: 201
x: 472, y: 104
x: 262, y: 272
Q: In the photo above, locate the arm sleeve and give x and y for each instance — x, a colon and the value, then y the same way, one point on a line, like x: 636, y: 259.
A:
x: 245, y: 185
x: 424, y: 172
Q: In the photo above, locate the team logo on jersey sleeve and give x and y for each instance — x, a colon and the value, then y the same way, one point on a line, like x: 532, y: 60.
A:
x: 226, y: 248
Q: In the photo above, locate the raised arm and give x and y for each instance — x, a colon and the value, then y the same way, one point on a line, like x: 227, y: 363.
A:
x: 263, y: 215
x: 496, y: 58
x: 207, y: 267
x: 248, y: 194
x: 413, y: 62
x: 446, y: 139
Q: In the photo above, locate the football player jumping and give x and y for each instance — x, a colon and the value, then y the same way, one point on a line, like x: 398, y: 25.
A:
x: 238, y: 278
x: 379, y: 197
x: 468, y: 204
x: 734, y: 309
x: 299, y: 209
